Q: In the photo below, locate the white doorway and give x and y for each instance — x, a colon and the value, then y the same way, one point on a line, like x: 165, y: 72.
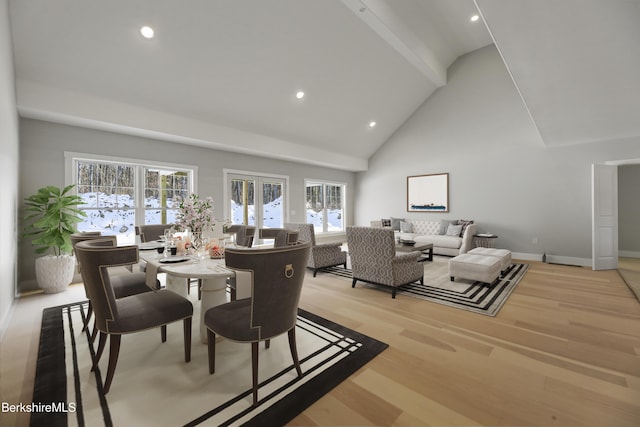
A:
x: 605, y: 228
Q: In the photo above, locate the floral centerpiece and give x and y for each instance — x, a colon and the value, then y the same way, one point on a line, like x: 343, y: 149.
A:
x: 196, y: 213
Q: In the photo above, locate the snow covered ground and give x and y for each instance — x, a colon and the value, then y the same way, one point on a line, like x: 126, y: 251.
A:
x: 116, y: 215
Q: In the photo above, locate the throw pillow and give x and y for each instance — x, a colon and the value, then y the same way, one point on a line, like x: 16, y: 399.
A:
x: 444, y: 224
x: 454, y: 230
x: 395, y: 223
x: 406, y: 227
x: 464, y: 223
x: 386, y: 222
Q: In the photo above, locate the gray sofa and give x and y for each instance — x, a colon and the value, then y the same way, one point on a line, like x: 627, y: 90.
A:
x: 434, y: 231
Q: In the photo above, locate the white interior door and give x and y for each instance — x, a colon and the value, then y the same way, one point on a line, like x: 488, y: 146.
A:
x: 605, y: 216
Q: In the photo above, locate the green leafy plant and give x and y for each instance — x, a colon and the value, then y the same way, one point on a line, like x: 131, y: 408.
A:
x: 54, y: 214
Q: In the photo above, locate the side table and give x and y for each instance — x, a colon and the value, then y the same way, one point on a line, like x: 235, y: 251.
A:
x: 485, y: 240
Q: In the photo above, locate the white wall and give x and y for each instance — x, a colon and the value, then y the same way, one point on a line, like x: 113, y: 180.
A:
x: 8, y: 169
x: 629, y: 210
x: 477, y: 129
x: 42, y: 147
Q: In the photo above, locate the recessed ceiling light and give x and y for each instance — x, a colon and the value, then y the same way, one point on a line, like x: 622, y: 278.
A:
x: 147, y: 32
x: 372, y: 124
x: 300, y: 94
x: 474, y: 18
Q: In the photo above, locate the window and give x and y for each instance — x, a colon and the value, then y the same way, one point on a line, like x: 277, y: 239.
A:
x: 257, y: 200
x: 120, y: 193
x: 325, y: 205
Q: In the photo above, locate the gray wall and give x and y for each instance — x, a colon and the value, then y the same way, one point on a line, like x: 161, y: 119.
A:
x: 629, y: 210
x: 8, y: 169
x: 42, y: 147
x: 477, y: 129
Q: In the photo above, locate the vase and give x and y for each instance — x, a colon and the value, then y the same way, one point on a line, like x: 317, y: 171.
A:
x: 55, y: 273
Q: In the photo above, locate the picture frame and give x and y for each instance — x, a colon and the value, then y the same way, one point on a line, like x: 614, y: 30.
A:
x: 428, y: 193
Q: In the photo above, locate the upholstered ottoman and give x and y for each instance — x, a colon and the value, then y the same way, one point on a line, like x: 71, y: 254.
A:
x: 475, y: 267
x: 503, y: 254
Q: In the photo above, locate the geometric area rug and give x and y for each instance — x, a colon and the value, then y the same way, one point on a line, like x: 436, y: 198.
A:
x: 153, y: 386
x: 469, y: 295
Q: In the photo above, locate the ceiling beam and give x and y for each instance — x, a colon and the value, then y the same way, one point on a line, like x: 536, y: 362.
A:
x: 380, y: 17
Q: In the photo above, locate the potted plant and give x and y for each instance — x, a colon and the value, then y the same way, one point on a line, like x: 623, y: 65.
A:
x: 53, y: 213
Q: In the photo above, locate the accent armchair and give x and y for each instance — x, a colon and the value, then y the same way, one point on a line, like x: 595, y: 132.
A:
x: 321, y: 255
x: 374, y: 259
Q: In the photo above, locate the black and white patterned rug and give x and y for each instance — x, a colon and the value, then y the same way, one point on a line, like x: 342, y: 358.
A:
x: 464, y: 294
x: 153, y: 386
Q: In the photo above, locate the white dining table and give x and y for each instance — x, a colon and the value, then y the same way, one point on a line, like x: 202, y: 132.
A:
x: 212, y: 272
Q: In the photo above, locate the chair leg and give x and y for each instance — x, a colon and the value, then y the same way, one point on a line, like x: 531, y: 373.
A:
x: 86, y: 320
x: 232, y: 293
x: 345, y: 264
x: 353, y: 283
x: 186, y: 324
x: 254, y: 369
x: 211, y: 345
x: 163, y: 333
x: 101, y: 343
x: 315, y: 270
x: 94, y: 333
x: 294, y: 350
x: 114, y: 351
x: 393, y: 292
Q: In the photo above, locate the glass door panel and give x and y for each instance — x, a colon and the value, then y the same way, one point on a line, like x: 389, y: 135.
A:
x: 315, y: 206
x: 243, y: 203
x: 272, y: 204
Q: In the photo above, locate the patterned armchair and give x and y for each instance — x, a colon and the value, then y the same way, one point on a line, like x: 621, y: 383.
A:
x: 323, y: 255
x: 374, y: 259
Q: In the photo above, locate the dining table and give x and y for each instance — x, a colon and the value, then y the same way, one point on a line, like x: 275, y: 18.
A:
x: 212, y: 275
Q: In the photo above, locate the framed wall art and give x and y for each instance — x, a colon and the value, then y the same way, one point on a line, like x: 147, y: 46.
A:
x: 428, y: 193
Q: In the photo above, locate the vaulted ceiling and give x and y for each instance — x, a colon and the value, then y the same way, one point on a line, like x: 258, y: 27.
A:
x: 224, y: 74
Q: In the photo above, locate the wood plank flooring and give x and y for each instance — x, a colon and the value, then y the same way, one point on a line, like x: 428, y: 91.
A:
x: 564, y: 350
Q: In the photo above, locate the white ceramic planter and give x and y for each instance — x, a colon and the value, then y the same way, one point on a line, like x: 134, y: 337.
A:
x: 55, y: 273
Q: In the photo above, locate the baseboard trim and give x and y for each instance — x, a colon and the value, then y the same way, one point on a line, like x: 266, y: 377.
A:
x: 553, y: 259
x: 629, y: 254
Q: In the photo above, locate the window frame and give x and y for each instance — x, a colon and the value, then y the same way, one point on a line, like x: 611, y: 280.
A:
x: 324, y: 183
x: 259, y: 177
x: 139, y: 165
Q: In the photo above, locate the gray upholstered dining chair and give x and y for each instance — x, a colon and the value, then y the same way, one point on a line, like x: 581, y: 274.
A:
x: 151, y: 232
x: 124, y: 285
x: 321, y: 255
x: 243, y: 234
x: 281, y: 236
x: 277, y: 275
x: 116, y: 317
x: 374, y: 259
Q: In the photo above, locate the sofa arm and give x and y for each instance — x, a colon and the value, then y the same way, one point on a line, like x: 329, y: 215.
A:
x: 467, y: 238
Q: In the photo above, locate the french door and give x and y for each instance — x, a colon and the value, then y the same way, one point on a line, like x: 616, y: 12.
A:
x: 257, y: 200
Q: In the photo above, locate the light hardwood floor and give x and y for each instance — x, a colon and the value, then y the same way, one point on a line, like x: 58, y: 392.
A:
x: 564, y: 350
